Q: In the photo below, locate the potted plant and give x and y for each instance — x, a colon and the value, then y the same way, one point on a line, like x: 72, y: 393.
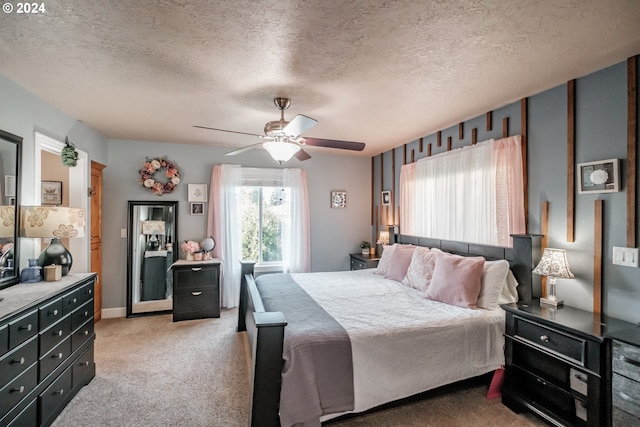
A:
x: 366, y: 247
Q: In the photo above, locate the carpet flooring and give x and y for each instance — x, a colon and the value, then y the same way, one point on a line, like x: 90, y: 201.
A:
x: 151, y: 371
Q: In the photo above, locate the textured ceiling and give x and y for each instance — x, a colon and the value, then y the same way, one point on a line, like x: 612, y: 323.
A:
x: 374, y: 71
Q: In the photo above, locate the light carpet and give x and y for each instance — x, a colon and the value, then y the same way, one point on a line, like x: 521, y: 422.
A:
x: 151, y: 371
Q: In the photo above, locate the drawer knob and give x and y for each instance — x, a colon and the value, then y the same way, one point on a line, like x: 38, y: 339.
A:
x: 195, y: 294
x: 85, y: 333
x: 630, y: 361
x: 59, y: 356
x: 89, y: 292
x: 86, y: 363
x: 86, y: 313
x: 544, y: 338
x: 19, y: 390
x: 20, y: 361
x: 28, y: 327
x: 59, y: 333
x: 55, y: 312
x: 61, y: 391
x: 75, y: 300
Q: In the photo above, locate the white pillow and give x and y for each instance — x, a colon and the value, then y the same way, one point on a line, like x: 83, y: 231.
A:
x: 509, y: 292
x: 385, y: 260
x: 420, y: 271
x: 494, y: 278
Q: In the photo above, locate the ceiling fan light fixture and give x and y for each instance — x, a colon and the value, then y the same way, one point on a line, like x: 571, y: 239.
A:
x: 281, y: 151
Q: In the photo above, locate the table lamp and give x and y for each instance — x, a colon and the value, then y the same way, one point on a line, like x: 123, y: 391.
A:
x: 153, y: 228
x: 554, y: 265
x: 55, y: 222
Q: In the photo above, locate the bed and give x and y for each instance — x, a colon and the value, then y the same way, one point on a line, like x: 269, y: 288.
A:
x: 316, y: 338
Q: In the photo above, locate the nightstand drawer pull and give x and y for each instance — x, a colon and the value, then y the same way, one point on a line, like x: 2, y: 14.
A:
x: 196, y: 268
x: 544, y: 338
x: 543, y: 382
x: 625, y: 396
x: 630, y: 361
x: 581, y: 378
x: 195, y: 294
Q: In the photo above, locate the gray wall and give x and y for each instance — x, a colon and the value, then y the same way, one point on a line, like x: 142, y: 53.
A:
x: 601, y: 133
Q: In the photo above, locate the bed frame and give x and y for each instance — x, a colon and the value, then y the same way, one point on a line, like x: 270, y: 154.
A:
x: 265, y: 330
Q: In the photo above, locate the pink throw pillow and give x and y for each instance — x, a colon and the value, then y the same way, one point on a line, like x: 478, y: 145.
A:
x: 385, y: 259
x: 456, y: 280
x: 399, y: 262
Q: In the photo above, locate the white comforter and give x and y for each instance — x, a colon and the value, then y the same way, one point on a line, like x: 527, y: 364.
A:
x: 403, y: 343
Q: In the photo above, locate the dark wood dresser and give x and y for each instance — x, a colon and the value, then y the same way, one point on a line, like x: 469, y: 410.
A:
x: 196, y: 289
x: 558, y: 363
x: 46, y: 348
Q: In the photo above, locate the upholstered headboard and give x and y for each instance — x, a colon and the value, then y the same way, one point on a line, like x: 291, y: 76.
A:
x: 522, y: 257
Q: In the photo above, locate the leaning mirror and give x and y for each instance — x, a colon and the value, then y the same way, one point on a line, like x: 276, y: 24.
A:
x: 151, y: 234
x: 10, y: 146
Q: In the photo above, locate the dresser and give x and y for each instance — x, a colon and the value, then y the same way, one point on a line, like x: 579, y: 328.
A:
x: 558, y: 363
x: 625, y: 393
x: 46, y: 348
x: 361, y: 262
x: 196, y: 289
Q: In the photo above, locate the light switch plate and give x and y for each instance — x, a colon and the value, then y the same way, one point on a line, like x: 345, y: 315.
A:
x: 123, y: 233
x: 625, y: 256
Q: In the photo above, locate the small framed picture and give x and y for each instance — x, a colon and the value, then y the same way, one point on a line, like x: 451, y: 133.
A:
x: 386, y: 198
x: 338, y: 199
x: 197, y: 208
x: 197, y: 192
x: 601, y: 176
x: 51, y: 193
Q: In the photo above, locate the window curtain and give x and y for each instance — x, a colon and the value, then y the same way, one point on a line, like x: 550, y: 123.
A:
x: 472, y: 194
x: 224, y: 221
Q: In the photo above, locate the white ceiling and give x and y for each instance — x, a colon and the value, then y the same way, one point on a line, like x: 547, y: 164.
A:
x: 374, y: 71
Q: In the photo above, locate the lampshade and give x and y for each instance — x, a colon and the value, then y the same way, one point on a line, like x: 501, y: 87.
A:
x: 281, y: 151
x: 383, y: 238
x: 152, y: 227
x: 56, y: 222
x: 554, y: 265
x: 7, y: 221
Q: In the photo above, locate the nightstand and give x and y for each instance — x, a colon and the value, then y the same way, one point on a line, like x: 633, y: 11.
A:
x: 196, y: 292
x: 360, y: 261
x: 558, y: 363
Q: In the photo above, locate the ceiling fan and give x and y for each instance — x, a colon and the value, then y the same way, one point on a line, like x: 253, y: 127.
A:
x: 282, y: 139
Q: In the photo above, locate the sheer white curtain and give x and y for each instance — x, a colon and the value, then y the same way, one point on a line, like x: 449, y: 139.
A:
x: 225, y: 225
x: 296, y: 248
x: 470, y: 194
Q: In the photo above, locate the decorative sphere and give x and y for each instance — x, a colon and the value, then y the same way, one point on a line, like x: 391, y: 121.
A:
x: 208, y: 244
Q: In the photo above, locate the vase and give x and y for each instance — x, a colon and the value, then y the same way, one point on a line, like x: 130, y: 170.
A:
x: 32, y: 273
x: 198, y: 256
x: 56, y: 253
x: 189, y: 256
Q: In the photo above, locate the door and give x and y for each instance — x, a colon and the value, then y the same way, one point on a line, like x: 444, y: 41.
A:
x: 96, y: 235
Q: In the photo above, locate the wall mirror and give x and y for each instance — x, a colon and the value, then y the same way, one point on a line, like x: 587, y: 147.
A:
x: 10, y: 149
x: 150, y: 239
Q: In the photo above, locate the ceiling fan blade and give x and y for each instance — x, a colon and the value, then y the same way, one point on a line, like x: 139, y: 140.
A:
x: 299, y: 125
x: 332, y: 143
x: 302, y: 155
x: 230, y: 131
x: 243, y: 149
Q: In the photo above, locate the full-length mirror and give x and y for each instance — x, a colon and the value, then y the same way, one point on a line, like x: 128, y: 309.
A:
x: 152, y: 231
x: 10, y: 146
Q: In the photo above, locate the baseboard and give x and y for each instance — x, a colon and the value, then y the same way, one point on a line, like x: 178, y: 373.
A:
x: 110, y: 313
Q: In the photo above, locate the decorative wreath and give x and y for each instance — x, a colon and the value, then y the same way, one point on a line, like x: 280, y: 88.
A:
x: 152, y: 170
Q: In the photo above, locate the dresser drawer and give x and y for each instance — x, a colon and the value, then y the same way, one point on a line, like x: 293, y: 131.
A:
x: 53, y: 397
x: 4, y: 339
x: 76, y: 298
x: 23, y: 328
x: 84, y: 369
x: 81, y: 335
x: 54, y: 335
x: 28, y: 416
x: 626, y: 394
x: 81, y: 315
x: 195, y: 277
x: 196, y: 303
x: 17, y: 389
x: 624, y: 419
x: 54, y: 358
x: 50, y: 313
x: 18, y: 360
x: 568, y: 346
x: 358, y: 265
x: 626, y: 360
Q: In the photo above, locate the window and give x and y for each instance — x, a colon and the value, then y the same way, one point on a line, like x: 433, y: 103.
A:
x: 263, y: 210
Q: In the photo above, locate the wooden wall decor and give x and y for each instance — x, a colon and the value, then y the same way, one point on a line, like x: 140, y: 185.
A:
x: 393, y: 182
x: 413, y: 156
x: 404, y: 155
x: 571, y: 159
x: 524, y: 113
x: 489, y: 121
x: 632, y: 144
x: 474, y: 136
x: 439, y: 139
x: 544, y: 230
x: 597, y: 256
x: 461, y: 131
x: 449, y: 143
x: 420, y: 143
x: 373, y: 200
x: 429, y: 150
x: 505, y: 127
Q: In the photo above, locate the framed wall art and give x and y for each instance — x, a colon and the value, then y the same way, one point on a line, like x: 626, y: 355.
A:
x: 601, y: 176
x: 197, y: 192
x: 386, y: 198
x: 51, y: 193
x: 197, y: 208
x: 338, y: 199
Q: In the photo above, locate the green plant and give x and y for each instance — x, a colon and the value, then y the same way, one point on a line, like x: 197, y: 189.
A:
x: 69, y: 155
x: 365, y: 245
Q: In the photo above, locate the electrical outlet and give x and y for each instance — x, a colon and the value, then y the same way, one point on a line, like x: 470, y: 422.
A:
x: 625, y: 256
x: 123, y: 233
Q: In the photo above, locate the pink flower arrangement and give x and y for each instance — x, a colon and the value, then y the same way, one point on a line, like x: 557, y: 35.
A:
x: 189, y: 246
x: 150, y: 170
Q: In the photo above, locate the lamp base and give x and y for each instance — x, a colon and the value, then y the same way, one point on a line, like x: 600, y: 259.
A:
x: 552, y: 301
x: 57, y: 254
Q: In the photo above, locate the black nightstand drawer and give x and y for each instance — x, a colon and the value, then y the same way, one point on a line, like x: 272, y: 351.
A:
x: 566, y: 345
x: 17, y: 361
x: 361, y: 262
x: 195, y: 277
x: 541, y: 364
